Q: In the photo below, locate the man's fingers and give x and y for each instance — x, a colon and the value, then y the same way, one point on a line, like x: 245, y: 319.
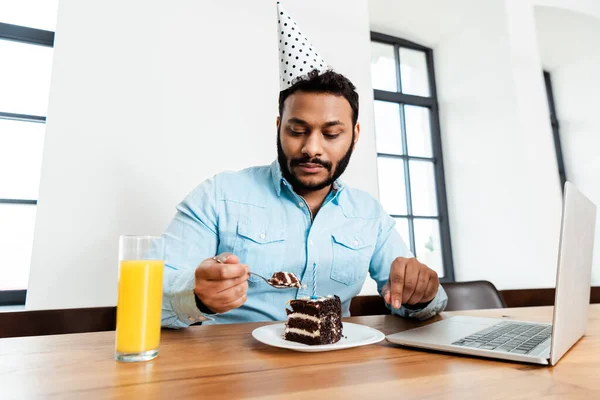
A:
x: 386, y: 293
x: 397, y: 282
x: 231, y: 294
x: 228, y: 258
x: 411, y: 280
x: 218, y: 272
x: 420, y: 289
x: 230, y: 306
x: 237, y: 302
x: 224, y: 285
x: 221, y: 282
x: 432, y: 289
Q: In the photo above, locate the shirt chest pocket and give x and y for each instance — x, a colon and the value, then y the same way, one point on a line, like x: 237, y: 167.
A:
x: 351, y: 257
x: 261, y: 247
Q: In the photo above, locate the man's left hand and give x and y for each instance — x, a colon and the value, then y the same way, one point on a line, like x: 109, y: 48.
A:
x: 410, y: 282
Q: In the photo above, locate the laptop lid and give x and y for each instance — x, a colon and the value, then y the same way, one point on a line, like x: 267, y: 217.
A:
x: 574, y: 272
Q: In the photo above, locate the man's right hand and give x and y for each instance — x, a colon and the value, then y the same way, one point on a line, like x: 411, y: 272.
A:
x: 222, y: 286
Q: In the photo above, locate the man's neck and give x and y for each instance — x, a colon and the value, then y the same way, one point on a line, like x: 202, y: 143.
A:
x: 314, y: 198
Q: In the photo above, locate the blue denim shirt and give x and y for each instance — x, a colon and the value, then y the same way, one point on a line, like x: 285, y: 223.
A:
x: 256, y: 215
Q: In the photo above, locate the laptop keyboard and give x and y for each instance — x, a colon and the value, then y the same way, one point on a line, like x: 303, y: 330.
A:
x: 508, y: 337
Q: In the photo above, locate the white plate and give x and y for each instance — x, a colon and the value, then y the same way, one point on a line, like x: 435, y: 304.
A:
x: 355, y: 335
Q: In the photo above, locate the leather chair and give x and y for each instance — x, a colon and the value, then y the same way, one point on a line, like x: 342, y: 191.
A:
x: 476, y: 295
x: 56, y: 322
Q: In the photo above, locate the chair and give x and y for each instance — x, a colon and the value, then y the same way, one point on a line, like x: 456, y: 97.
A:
x: 56, y: 322
x: 474, y: 295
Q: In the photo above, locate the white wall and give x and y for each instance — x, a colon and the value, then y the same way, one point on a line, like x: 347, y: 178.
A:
x: 501, y: 175
x: 591, y: 8
x: 148, y: 99
x: 142, y: 112
x: 573, y: 59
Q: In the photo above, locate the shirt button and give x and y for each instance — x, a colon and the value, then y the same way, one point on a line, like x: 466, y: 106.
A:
x: 310, y: 242
x: 356, y: 243
x: 262, y: 235
x: 301, y: 204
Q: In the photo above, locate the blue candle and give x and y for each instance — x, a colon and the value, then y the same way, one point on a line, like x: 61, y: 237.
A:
x: 314, y: 286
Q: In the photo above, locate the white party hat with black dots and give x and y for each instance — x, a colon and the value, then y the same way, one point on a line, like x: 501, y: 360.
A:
x: 297, y: 56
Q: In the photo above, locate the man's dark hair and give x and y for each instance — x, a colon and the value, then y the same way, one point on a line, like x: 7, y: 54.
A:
x: 329, y: 82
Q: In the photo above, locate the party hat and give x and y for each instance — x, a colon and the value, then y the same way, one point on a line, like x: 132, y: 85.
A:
x: 297, y: 56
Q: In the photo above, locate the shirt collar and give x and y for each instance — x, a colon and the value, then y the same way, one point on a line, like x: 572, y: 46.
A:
x: 279, y: 180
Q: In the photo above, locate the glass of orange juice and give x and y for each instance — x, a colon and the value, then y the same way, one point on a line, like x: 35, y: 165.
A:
x: 141, y: 265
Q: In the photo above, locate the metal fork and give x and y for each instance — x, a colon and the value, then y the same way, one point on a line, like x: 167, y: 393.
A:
x: 225, y: 255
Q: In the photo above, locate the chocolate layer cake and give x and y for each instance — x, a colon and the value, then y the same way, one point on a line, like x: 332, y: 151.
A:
x: 286, y: 279
x: 314, y: 321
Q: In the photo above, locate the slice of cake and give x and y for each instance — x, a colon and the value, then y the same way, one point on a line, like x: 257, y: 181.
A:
x: 286, y: 279
x: 314, y: 321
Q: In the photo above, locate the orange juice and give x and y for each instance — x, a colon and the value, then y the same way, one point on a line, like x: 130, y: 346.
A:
x: 139, y: 305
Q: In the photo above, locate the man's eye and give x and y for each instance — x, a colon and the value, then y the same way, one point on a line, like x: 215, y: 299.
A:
x: 331, y: 135
x: 294, y: 132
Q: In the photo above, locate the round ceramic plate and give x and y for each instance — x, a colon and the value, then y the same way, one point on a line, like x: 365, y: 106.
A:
x: 353, y: 335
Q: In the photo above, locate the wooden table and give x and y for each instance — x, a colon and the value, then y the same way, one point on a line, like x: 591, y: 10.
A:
x: 226, y: 362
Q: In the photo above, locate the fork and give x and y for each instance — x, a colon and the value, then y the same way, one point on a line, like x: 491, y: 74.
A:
x: 225, y: 255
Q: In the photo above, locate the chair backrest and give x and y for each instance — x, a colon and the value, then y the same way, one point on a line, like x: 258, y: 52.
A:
x: 368, y: 305
x: 56, y: 322
x: 475, y: 295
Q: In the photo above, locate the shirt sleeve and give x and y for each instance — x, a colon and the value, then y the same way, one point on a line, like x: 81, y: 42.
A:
x: 389, y: 246
x: 190, y: 238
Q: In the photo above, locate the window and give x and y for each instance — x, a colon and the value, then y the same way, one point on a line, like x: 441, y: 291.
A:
x: 26, y: 48
x: 409, y: 152
x: 555, y: 130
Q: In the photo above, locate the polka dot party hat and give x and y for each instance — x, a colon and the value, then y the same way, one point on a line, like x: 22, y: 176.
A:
x: 297, y: 56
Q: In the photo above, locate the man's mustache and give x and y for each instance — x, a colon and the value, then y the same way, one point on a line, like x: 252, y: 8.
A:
x: 297, y: 161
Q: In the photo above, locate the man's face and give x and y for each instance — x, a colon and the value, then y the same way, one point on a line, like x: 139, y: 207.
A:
x: 315, y: 139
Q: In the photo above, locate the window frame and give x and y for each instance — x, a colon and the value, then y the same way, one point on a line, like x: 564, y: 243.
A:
x: 431, y: 103
x: 31, y: 36
x: 562, y: 173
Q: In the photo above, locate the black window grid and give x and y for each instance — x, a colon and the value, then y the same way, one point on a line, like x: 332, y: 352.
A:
x: 431, y: 103
x: 30, y: 36
x: 555, y: 130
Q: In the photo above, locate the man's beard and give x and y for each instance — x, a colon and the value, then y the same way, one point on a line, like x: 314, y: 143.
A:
x: 286, y: 165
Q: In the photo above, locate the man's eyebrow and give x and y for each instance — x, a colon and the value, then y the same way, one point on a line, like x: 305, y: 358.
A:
x: 327, y: 124
x: 297, y: 121
x: 332, y: 123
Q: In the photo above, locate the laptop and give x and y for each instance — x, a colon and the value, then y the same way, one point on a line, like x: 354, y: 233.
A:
x: 524, y: 341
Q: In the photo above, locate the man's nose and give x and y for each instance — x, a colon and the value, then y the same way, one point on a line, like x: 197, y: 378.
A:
x: 313, y: 146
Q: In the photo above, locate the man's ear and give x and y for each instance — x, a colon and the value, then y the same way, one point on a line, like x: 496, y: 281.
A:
x: 278, y: 122
x: 356, y: 135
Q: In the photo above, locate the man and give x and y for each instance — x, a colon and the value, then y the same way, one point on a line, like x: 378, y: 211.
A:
x: 293, y: 216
